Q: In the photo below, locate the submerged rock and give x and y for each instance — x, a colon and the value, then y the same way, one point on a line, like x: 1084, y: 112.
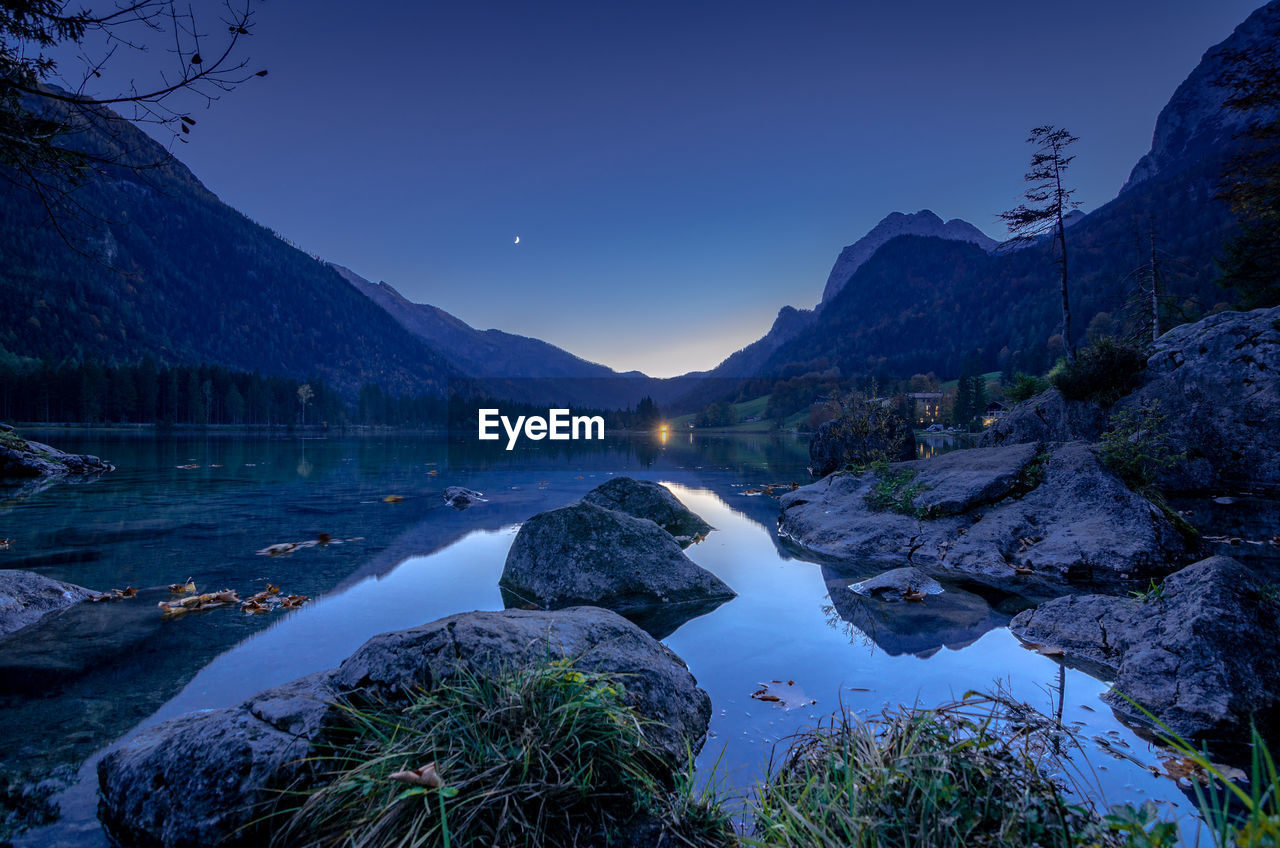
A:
x: 1201, y: 653
x: 860, y: 437
x: 643, y: 499
x: 897, y: 584
x: 959, y: 615
x: 27, y: 597
x: 208, y: 778
x: 460, y: 498
x: 1002, y: 512
x: 586, y: 554
x: 22, y: 459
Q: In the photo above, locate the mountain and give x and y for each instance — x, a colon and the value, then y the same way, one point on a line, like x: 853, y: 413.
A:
x: 918, y: 295
x: 1196, y: 121
x: 721, y: 382
x: 922, y: 223
x: 153, y: 264
x: 481, y: 353
x: 159, y: 267
x: 513, y: 366
x: 923, y: 303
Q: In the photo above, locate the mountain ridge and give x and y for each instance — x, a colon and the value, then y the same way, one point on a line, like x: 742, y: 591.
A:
x: 922, y: 223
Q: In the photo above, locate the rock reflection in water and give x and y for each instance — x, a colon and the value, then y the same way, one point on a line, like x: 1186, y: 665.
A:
x: 959, y: 616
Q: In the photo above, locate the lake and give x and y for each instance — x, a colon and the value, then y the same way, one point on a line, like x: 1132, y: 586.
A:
x: 203, y: 507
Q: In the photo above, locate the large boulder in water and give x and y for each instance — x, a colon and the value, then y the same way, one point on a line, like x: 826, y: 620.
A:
x: 27, y: 597
x: 644, y: 499
x: 586, y: 554
x: 1005, y: 512
x: 860, y: 436
x: 1201, y: 653
x: 209, y: 778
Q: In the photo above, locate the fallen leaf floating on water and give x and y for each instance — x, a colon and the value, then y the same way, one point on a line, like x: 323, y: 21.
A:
x: 114, y: 595
x: 322, y: 540
x: 393, y: 499
x: 188, y: 467
x: 421, y: 776
x: 192, y: 603
x: 787, y: 694
x: 270, y: 599
x: 6, y: 544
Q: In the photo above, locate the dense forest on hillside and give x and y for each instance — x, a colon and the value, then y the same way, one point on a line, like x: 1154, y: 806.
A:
x: 141, y: 260
x: 95, y: 393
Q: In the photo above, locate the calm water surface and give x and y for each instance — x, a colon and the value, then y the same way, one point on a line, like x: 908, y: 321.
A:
x: 73, y: 688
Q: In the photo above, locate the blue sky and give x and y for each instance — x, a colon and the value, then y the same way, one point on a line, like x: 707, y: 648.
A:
x: 676, y: 171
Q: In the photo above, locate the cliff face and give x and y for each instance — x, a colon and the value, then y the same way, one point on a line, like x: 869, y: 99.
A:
x: 1196, y: 120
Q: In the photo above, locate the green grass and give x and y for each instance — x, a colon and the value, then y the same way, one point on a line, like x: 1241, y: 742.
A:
x: 972, y: 773
x: 1153, y: 592
x: 551, y: 755
x: 895, y: 490
x: 1238, y: 813
x: 545, y: 755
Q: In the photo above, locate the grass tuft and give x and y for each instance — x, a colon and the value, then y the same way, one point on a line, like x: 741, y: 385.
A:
x: 968, y: 773
x: 895, y: 490
x: 542, y: 755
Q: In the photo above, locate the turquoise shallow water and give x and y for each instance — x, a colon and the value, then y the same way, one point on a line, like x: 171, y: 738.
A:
x: 89, y: 681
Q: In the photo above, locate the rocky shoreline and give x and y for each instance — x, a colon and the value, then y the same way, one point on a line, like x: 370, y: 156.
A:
x: 1036, y: 504
x: 1091, y: 571
x: 22, y: 459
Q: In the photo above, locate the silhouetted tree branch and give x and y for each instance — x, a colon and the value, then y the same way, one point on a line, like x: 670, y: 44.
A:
x: 58, y: 124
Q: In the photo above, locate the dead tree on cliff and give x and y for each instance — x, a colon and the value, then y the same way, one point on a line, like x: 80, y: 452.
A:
x: 1045, y: 207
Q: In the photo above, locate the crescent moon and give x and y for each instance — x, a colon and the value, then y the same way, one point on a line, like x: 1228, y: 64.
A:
x: 517, y: 241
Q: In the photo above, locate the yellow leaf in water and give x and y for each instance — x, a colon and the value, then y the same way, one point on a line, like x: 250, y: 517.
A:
x: 393, y: 499
x: 182, y: 588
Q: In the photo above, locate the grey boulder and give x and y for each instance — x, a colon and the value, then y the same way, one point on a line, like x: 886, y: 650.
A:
x: 1203, y: 656
x: 1217, y: 381
x: 999, y: 512
x: 27, y: 597
x: 24, y: 459
x: 644, y: 499
x: 209, y: 778
x: 586, y: 554
x: 1047, y: 417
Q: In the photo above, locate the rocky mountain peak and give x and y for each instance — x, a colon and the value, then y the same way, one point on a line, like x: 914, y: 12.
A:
x: 922, y: 223
x: 1196, y: 119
